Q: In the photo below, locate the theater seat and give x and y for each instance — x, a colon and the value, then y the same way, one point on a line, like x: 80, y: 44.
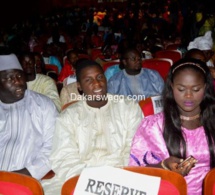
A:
x: 51, y: 67
x: 18, y: 184
x: 172, y: 183
x: 162, y: 65
x: 174, y: 55
x: 151, y: 105
x: 209, y: 183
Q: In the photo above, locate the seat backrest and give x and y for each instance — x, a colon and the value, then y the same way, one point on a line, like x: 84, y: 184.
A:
x: 83, y: 56
x: 209, y: 183
x: 12, y: 183
x: 109, y: 64
x: 52, y: 67
x: 167, y: 178
x: 67, y: 105
x: 171, y: 182
x: 69, y: 186
x: 162, y: 65
x: 95, y: 52
x: 151, y: 105
x: 173, y: 46
x: 174, y: 55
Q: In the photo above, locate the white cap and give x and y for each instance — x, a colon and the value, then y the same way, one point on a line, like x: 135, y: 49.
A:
x: 203, y: 42
x: 8, y: 62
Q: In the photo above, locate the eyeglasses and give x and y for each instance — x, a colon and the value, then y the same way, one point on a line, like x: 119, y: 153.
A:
x: 134, y: 59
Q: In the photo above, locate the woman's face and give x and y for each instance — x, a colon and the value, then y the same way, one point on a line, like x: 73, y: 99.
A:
x: 94, y: 85
x: 188, y: 90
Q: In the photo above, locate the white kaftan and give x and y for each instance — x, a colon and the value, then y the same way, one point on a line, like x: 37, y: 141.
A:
x: 26, y: 131
x: 87, y: 137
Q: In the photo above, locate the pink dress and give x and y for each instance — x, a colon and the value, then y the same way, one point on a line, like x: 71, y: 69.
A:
x: 148, y: 147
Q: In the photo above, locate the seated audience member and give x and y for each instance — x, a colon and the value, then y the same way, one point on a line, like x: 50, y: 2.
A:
x: 72, y: 78
x: 69, y: 92
x: 199, y: 55
x: 69, y: 65
x: 39, y: 63
x: 184, y: 128
x: 38, y: 82
x: 107, y: 56
x: 204, y: 43
x: 196, y: 54
x: 50, y: 57
x: 134, y: 80
x: 27, y: 123
x: 212, y: 70
x: 69, y: 80
x: 58, y: 42
x: 95, y: 131
x: 56, y: 36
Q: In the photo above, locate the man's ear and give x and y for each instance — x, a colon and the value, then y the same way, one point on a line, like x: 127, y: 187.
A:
x: 124, y: 62
x: 79, y: 86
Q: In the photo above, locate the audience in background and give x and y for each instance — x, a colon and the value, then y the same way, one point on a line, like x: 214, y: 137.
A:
x: 212, y: 70
x: 38, y: 82
x: 199, y: 55
x: 49, y: 57
x: 204, y: 43
x: 39, y: 63
x: 133, y: 80
x: 69, y: 65
x: 196, y: 54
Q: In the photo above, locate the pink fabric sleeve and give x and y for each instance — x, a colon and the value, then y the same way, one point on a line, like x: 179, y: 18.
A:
x: 148, y: 145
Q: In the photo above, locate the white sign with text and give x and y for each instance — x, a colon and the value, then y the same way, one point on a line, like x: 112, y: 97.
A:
x: 115, y: 181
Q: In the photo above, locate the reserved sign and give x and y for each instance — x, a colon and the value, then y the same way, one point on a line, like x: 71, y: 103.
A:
x: 115, y: 181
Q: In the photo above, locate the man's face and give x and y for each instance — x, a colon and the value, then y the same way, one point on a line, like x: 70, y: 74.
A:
x: 12, y: 85
x: 72, y: 58
x: 28, y: 65
x: 133, y: 63
x: 94, y: 85
x: 208, y: 54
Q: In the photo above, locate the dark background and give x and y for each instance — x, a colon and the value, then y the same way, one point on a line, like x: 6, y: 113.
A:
x: 13, y: 11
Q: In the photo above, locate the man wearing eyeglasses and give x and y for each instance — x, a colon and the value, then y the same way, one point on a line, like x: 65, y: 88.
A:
x: 133, y: 80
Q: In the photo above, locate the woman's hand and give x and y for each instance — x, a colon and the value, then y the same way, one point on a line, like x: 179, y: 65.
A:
x: 172, y: 163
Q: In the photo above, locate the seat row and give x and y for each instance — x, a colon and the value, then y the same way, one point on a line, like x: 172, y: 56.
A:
x: 12, y: 183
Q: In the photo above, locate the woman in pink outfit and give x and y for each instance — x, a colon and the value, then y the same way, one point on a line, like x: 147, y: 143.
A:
x: 184, y: 128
